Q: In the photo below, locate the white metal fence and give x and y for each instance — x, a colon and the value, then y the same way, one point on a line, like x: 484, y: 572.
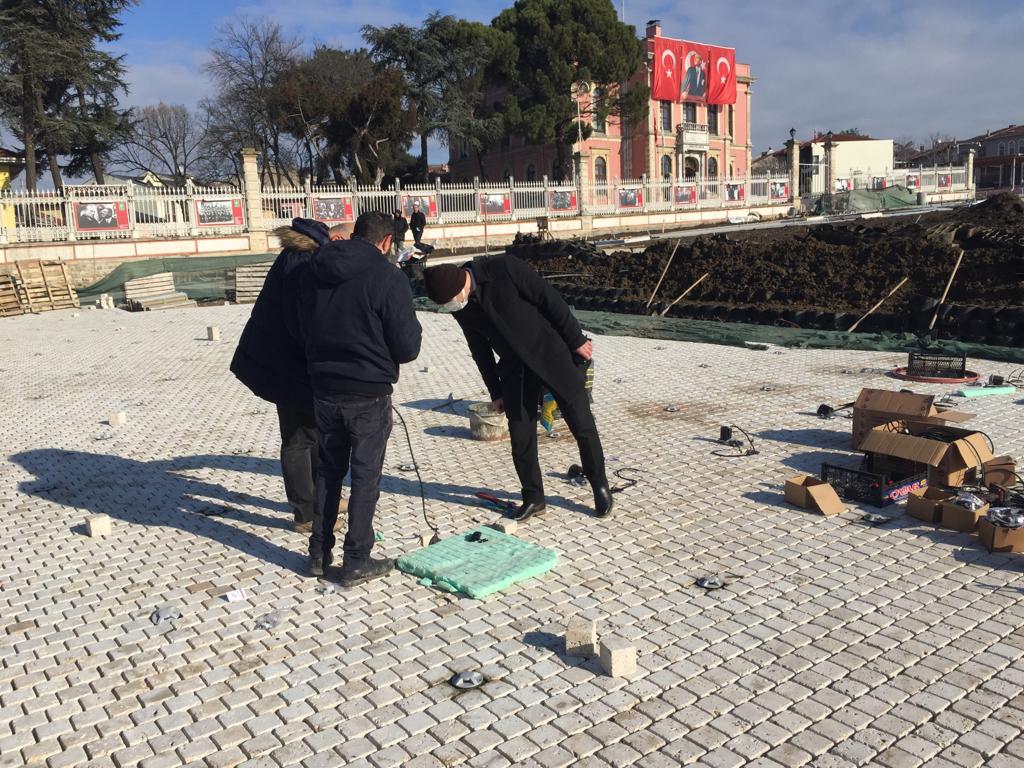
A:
x: 119, y: 212
x: 933, y: 179
x: 136, y: 211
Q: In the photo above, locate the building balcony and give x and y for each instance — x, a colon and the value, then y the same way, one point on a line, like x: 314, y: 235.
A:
x: 692, y: 135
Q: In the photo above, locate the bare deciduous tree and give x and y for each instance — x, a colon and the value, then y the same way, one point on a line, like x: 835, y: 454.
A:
x: 247, y: 60
x: 168, y: 140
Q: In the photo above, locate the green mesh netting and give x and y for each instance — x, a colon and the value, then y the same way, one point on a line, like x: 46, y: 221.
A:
x: 200, y: 277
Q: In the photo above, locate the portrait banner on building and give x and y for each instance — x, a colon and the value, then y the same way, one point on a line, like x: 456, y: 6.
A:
x: 495, y: 203
x: 220, y: 213
x: 879, y: 182
x: 913, y: 182
x: 694, y: 61
x: 102, y: 216
x: 944, y: 181
x: 722, y: 78
x: 778, y: 190
x: 427, y: 204
x: 685, y: 194
x: 666, y: 80
x: 734, y: 193
x: 562, y: 200
x: 333, y: 209
x: 631, y: 197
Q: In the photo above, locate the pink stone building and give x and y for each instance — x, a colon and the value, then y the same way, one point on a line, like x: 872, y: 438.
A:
x: 678, y: 140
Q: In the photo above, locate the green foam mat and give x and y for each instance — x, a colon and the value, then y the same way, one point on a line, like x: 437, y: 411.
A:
x: 478, y: 568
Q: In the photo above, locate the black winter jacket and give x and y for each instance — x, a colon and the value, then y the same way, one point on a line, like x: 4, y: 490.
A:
x: 514, y: 312
x: 268, y: 360
x: 357, y: 320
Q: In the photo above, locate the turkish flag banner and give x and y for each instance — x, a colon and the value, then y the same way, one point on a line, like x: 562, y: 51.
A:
x: 694, y: 58
x: 666, y: 69
x: 722, y: 77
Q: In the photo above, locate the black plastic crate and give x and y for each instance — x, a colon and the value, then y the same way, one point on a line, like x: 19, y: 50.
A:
x: 936, y: 366
x: 876, y: 488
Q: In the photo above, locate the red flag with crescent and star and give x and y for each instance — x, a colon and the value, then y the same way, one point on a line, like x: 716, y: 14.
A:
x: 721, y: 75
x: 666, y: 69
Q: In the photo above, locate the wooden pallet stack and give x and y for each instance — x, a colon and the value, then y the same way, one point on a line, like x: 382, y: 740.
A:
x: 40, y: 286
x: 249, y: 279
x: 10, y: 301
x: 157, y: 291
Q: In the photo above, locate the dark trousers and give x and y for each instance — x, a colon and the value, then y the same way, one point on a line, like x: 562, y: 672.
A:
x: 299, y: 460
x: 522, y: 427
x: 354, y: 433
x: 417, y: 235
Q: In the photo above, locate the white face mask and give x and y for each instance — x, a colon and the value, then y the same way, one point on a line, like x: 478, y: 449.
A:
x: 455, y: 305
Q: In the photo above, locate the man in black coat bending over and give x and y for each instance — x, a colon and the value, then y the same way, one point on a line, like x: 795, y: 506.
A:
x: 359, y: 325
x: 504, y: 307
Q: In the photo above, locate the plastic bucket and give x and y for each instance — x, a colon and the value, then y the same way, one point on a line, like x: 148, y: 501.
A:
x: 487, y: 424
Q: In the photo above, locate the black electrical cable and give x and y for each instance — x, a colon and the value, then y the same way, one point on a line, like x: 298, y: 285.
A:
x: 751, y: 451
x: 630, y: 481
x: 416, y: 467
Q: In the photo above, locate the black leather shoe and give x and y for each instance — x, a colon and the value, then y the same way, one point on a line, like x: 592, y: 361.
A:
x: 357, y: 571
x: 603, y: 501
x: 317, y: 567
x: 526, y: 511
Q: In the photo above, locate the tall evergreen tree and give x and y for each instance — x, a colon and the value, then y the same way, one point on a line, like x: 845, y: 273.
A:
x: 559, y: 43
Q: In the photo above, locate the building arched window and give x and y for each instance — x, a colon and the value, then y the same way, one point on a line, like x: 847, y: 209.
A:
x: 531, y: 172
x: 1011, y: 148
x: 666, y: 167
x: 600, y: 170
x: 712, y: 167
x: 1001, y: 149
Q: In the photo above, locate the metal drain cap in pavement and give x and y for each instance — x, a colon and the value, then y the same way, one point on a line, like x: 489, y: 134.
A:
x: 468, y: 680
x: 710, y: 582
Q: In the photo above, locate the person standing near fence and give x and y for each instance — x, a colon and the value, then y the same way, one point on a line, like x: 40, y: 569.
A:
x: 401, y: 227
x: 417, y: 222
x: 359, y: 326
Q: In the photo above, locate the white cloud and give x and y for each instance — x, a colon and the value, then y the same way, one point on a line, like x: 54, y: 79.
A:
x: 167, y: 71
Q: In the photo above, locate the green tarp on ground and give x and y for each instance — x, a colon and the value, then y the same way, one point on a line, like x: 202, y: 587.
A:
x: 863, y: 200
x: 200, y: 277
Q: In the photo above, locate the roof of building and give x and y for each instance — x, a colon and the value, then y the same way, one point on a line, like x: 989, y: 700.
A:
x: 10, y: 156
x: 1009, y: 132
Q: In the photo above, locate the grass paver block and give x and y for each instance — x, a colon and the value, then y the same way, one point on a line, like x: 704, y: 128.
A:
x: 478, y: 568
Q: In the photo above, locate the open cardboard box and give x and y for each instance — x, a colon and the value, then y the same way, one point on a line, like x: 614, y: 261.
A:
x: 875, y: 407
x: 958, y: 518
x: 812, y: 493
x: 1000, y: 470
x: 996, y: 538
x: 949, y: 463
x: 926, y: 504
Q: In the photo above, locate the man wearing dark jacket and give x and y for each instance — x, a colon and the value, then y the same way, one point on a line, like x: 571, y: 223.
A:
x: 359, y: 325
x: 504, y: 307
x: 417, y: 222
x: 273, y: 365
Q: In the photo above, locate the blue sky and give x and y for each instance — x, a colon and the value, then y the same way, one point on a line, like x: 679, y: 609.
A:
x: 892, y: 68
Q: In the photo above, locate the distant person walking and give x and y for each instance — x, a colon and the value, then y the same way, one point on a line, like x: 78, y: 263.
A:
x: 417, y: 222
x: 358, y: 324
x: 401, y: 227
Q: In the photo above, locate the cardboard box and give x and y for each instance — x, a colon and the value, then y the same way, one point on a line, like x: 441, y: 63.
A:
x: 1000, y: 470
x: 996, y: 538
x: 926, y: 504
x: 949, y: 463
x: 811, y: 493
x: 958, y: 518
x: 875, y: 407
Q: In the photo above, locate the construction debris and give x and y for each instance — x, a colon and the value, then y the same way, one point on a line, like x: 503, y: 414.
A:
x: 581, y: 637
x: 155, y: 292
x: 618, y: 657
x: 97, y: 526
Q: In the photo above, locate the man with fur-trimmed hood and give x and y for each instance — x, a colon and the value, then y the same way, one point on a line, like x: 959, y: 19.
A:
x: 271, y: 361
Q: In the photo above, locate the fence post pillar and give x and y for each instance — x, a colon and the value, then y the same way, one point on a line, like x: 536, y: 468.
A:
x: 437, y: 194
x: 69, y: 216
x: 307, y: 187
x: 476, y: 204
x: 255, y: 221
x: 193, y: 210
x: 130, y: 203
x: 968, y: 172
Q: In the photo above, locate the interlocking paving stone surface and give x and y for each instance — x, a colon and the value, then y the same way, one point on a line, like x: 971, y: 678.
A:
x: 833, y: 644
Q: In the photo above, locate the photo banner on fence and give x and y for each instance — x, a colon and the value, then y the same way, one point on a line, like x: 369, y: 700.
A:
x: 332, y: 210
x: 425, y: 202
x: 220, y: 213
x: 104, y: 216
x: 495, y: 203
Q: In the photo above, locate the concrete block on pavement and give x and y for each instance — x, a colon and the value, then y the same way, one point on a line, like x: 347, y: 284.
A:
x: 618, y: 657
x: 581, y: 637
